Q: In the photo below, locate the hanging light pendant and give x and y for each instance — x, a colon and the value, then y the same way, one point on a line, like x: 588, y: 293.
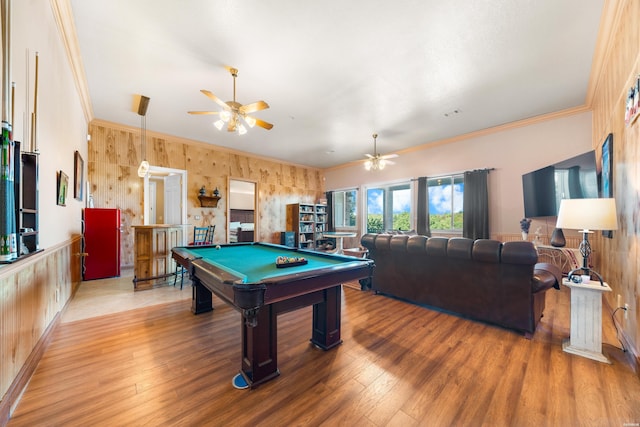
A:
x: 143, y: 169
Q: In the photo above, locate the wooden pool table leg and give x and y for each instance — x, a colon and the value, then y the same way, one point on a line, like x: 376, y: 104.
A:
x: 201, y: 301
x: 260, y: 347
x: 326, y: 319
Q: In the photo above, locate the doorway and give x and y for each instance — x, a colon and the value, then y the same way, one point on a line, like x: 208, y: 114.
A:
x: 172, y: 202
x: 242, y: 225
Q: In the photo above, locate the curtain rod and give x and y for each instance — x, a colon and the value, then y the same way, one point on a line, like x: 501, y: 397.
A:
x: 455, y: 173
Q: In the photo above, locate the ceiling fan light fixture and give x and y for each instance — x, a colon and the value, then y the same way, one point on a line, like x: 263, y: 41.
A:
x: 376, y: 161
x: 250, y: 121
x: 225, y: 115
x: 232, y: 111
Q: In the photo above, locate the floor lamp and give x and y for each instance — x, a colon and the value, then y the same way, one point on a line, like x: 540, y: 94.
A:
x: 587, y: 215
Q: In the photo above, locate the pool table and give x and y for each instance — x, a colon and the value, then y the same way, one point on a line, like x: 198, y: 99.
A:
x: 245, y: 276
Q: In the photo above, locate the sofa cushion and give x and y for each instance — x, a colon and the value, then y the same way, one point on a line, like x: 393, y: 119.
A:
x: 519, y: 252
x: 459, y: 247
x: 437, y: 246
x: 398, y: 243
x: 368, y: 240
x: 486, y: 250
x: 417, y: 244
x: 382, y: 242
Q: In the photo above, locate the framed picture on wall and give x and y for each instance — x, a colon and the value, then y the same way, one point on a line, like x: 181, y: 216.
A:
x: 606, y: 176
x: 63, y: 185
x: 78, y: 176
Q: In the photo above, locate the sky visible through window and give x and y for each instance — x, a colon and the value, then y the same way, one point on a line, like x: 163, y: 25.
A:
x: 440, y: 198
x: 375, y: 201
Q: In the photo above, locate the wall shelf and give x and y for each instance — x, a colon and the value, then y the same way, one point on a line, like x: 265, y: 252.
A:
x: 209, y: 201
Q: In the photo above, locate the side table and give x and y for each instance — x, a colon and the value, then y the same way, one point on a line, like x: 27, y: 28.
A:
x: 586, y: 320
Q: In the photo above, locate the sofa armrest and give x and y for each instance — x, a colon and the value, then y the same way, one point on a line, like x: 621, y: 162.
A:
x: 546, y: 276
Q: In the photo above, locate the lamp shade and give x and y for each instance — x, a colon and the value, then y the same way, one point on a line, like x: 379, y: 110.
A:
x: 588, y: 214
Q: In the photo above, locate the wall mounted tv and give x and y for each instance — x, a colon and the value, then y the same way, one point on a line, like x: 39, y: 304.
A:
x: 574, y: 178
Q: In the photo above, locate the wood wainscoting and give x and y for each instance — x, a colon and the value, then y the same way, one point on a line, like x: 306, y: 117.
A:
x: 33, y: 292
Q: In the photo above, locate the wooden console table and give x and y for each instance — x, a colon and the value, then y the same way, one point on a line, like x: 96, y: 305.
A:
x: 152, y: 263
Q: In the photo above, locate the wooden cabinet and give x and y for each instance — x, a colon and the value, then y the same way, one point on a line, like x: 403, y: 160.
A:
x: 28, y: 216
x: 25, y: 187
x: 152, y: 263
x: 25, y: 199
x: 308, y: 222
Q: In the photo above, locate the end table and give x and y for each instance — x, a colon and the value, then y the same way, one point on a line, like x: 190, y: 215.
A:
x: 586, y: 320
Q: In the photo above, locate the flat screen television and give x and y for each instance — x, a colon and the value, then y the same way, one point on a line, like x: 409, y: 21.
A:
x: 574, y: 178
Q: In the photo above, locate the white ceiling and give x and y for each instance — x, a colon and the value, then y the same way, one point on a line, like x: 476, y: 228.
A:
x: 334, y: 71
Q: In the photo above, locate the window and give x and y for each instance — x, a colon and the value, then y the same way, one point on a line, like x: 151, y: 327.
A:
x: 389, y: 208
x: 445, y: 202
x: 345, y: 208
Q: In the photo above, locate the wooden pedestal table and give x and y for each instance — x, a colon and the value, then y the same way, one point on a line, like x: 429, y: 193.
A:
x: 586, y: 320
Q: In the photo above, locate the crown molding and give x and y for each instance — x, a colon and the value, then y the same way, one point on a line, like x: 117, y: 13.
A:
x: 609, y: 22
x: 66, y: 26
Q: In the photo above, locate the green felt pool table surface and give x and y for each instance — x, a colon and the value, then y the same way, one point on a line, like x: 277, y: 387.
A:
x: 257, y: 262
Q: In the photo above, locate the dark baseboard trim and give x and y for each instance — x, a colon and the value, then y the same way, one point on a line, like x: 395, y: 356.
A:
x: 22, y: 379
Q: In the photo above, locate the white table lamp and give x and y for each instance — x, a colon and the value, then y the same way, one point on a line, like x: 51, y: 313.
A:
x: 587, y: 215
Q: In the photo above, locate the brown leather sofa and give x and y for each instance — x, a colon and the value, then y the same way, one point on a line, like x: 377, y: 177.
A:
x: 498, y: 283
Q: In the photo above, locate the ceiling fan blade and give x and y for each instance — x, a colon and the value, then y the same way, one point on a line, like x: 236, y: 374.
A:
x: 389, y: 162
x: 370, y: 156
x: 203, y: 112
x: 253, y: 107
x: 389, y: 156
x: 263, y: 124
x: 214, y: 98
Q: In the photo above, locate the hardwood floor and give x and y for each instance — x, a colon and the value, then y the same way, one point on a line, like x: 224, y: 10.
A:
x: 399, y: 365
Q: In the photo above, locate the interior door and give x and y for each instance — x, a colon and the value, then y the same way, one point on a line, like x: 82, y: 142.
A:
x: 172, y: 199
x: 153, y: 194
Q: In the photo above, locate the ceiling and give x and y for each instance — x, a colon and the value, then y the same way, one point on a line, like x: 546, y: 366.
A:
x: 334, y: 72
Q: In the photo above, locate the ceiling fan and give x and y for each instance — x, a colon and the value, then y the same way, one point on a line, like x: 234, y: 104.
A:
x: 377, y: 161
x: 234, y: 113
